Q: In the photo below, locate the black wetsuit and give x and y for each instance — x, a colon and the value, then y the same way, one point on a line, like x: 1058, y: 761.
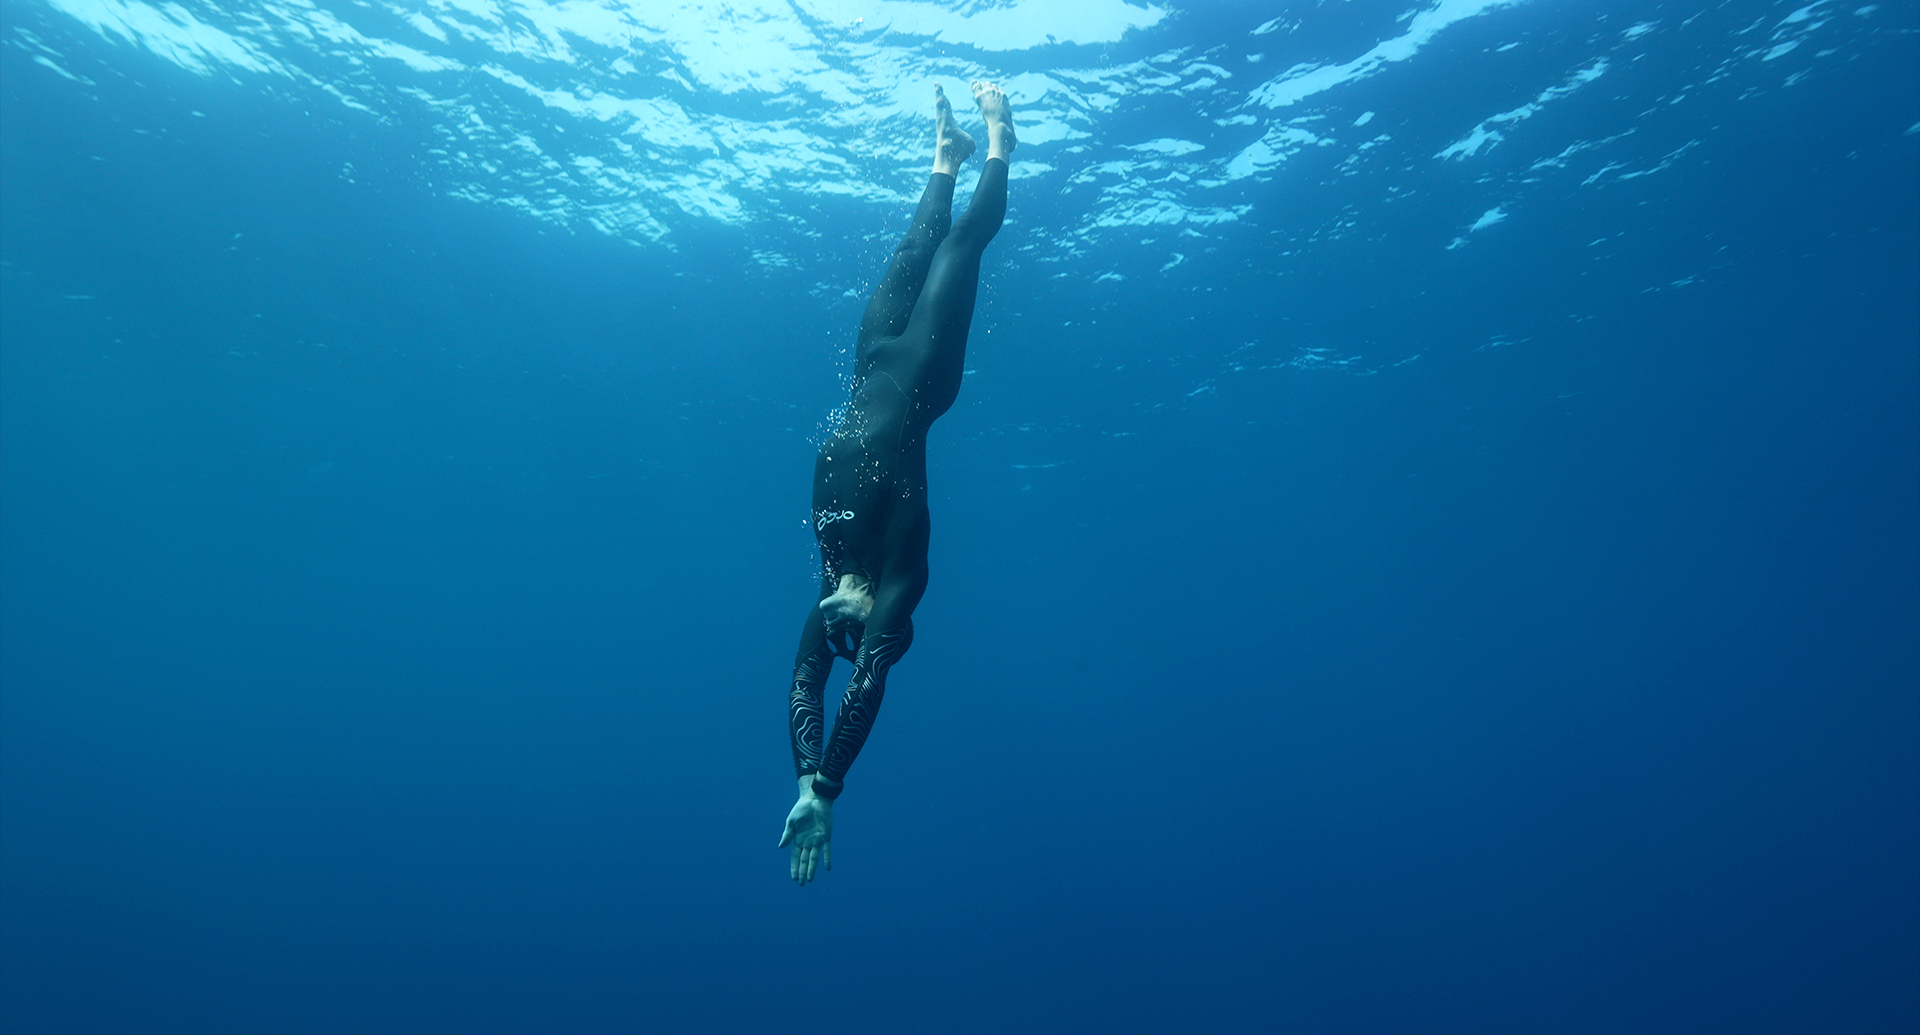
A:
x: 870, y: 479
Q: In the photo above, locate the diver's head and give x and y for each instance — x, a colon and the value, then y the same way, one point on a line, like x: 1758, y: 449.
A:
x: 850, y: 604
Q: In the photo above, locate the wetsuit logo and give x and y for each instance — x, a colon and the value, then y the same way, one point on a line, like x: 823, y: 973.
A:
x: 823, y: 518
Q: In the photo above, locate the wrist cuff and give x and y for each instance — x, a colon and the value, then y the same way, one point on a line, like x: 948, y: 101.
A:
x: 829, y: 791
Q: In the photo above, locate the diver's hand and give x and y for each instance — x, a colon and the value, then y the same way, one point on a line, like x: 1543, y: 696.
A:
x: 810, y: 832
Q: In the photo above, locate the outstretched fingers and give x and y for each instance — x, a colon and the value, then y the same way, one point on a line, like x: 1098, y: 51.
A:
x: 809, y: 830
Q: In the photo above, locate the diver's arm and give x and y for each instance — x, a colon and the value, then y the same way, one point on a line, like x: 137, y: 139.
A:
x: 806, y: 714
x: 810, y: 823
x: 860, y: 705
x: 888, y: 634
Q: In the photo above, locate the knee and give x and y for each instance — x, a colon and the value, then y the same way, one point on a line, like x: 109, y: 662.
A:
x: 917, y: 249
x: 974, y: 235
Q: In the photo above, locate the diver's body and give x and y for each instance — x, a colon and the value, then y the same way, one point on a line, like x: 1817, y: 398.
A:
x: 870, y: 478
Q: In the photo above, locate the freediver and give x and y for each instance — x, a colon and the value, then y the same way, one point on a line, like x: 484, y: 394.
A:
x: 870, y: 478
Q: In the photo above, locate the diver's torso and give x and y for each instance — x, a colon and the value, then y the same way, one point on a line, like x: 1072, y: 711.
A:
x: 871, y: 474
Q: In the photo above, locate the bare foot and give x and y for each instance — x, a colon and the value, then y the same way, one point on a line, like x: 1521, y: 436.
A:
x: 951, y: 144
x: 999, y: 115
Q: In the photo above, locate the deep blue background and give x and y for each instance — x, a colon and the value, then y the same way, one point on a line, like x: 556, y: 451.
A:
x: 396, y: 603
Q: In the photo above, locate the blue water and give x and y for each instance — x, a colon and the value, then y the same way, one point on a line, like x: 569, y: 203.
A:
x: 1364, y: 622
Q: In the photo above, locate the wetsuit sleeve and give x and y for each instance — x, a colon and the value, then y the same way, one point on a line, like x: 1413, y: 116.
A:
x: 861, y: 703
x: 806, y: 715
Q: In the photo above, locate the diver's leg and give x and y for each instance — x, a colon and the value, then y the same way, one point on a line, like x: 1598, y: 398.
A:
x: 899, y: 287
x: 953, y: 280
x: 944, y: 312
